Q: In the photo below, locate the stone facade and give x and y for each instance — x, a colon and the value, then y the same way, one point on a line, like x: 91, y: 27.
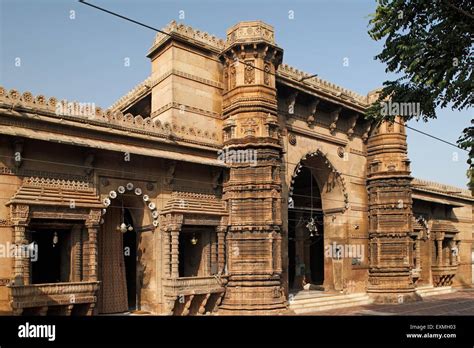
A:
x: 224, y: 183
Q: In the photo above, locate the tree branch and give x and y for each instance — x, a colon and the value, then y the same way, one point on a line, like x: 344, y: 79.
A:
x: 459, y: 9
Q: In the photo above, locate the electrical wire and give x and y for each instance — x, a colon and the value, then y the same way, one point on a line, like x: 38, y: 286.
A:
x: 243, y: 62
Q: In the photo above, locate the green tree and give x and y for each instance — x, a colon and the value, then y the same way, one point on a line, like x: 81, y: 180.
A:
x: 466, y: 141
x: 429, y: 44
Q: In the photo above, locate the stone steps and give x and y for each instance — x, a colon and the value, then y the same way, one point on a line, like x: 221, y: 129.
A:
x: 309, y: 302
x: 427, y: 291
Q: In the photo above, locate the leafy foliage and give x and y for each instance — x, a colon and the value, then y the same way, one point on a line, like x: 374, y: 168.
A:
x: 429, y: 43
x: 466, y: 141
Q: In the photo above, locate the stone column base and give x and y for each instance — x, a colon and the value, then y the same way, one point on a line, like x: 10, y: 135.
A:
x: 393, y: 297
x: 394, y: 287
x: 250, y: 295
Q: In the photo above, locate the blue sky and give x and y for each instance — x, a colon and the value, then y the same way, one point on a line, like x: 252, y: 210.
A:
x: 83, y: 58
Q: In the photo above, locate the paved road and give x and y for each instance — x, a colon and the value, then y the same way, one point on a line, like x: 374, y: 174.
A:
x: 460, y: 302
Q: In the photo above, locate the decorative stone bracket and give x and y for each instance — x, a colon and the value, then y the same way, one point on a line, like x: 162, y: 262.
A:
x: 312, y: 115
x: 352, y: 124
x: 334, y: 118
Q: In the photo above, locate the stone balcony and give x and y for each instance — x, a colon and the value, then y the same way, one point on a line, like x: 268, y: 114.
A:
x: 194, y: 285
x: 193, y: 295
x: 443, y: 275
x: 41, y: 298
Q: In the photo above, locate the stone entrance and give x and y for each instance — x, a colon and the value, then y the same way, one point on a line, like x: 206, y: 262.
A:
x: 120, y: 257
x: 305, y: 234
x: 113, y: 291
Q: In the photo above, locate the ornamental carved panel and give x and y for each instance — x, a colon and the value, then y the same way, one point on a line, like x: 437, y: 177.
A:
x: 249, y: 75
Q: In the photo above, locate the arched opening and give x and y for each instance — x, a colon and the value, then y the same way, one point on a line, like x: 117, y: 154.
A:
x: 305, y: 233
x: 120, y: 249
x: 113, y: 289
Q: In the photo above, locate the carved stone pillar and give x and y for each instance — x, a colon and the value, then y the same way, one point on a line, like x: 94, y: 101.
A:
x: 439, y: 252
x: 221, y: 230
x: 19, y: 269
x: 175, y: 254
x: 166, y: 254
x: 76, y: 253
x: 85, y: 253
x: 418, y: 254
x: 92, y: 225
x: 213, y: 256
x: 173, y: 228
x: 390, y: 214
x: 277, y: 266
x: 93, y: 269
x: 253, y: 189
x: 21, y: 263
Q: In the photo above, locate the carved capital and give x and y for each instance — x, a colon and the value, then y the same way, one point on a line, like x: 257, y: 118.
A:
x: 93, y: 219
x: 20, y: 214
x: 173, y: 222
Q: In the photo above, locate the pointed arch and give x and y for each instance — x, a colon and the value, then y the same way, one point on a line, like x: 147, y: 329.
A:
x: 331, y: 183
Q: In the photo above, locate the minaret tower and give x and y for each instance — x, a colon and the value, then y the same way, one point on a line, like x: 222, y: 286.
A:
x: 253, y: 189
x: 390, y: 214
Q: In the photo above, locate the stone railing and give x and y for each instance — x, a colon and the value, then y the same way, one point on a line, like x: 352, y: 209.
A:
x: 250, y: 31
x: 51, y: 294
x: 190, y: 33
x: 285, y: 70
x: 135, y: 92
x: 194, y: 285
x: 59, y: 183
x: 89, y: 114
x: 442, y: 188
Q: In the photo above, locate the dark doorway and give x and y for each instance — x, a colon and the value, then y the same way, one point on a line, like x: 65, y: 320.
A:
x: 316, y: 253
x: 130, y: 258
x: 194, y: 260
x: 305, y: 245
x: 53, y: 259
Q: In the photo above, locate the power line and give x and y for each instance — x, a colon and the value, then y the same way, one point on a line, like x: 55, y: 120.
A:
x: 171, y: 35
x: 123, y: 17
x: 247, y: 64
x: 431, y: 136
x: 153, y: 177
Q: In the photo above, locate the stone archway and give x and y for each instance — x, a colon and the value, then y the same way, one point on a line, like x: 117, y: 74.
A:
x: 317, y: 193
x: 305, y: 233
x: 125, y: 210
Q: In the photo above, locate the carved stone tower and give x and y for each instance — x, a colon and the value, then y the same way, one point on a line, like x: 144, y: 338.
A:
x: 253, y: 189
x: 390, y: 215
